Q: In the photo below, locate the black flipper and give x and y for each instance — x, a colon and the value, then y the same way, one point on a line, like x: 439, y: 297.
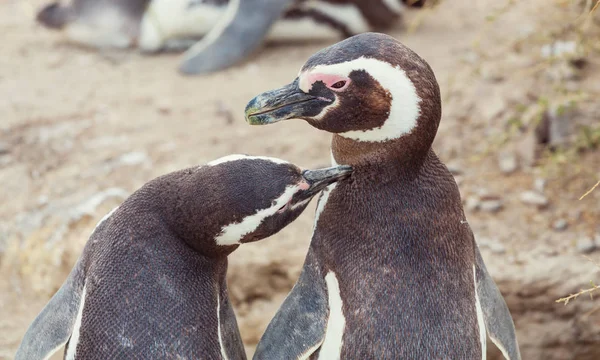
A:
x: 52, y: 328
x: 496, y: 316
x: 238, y: 33
x: 298, y: 328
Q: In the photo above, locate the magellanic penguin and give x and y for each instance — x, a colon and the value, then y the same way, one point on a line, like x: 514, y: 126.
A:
x: 393, y: 270
x: 150, y: 283
x: 235, y: 28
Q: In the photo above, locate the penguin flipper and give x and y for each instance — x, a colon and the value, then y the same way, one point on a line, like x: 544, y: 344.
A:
x: 298, y: 328
x: 498, y: 321
x: 238, y: 33
x: 53, y: 326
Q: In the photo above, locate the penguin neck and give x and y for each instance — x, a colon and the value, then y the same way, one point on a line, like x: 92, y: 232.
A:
x: 391, y: 158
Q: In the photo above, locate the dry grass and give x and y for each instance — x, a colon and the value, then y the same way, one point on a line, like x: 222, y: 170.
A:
x: 589, y: 191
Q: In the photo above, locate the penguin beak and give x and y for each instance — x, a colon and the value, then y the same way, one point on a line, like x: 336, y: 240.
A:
x: 288, y: 102
x: 319, y: 179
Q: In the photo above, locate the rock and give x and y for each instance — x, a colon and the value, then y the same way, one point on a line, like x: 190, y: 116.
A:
x: 559, y: 49
x: 472, y: 203
x: 507, y: 162
x: 490, y: 205
x: 164, y: 106
x: 454, y: 168
x: 5, y: 160
x: 585, y: 245
x: 560, y: 225
x: 42, y: 200
x: 539, y: 185
x: 497, y: 248
x: 526, y: 147
x: 133, y: 158
x: 533, y: 198
x: 4, y: 147
x: 559, y: 118
x: 225, y: 112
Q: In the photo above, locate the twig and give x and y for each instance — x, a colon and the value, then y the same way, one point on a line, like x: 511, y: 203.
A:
x: 590, y: 190
x: 574, y: 296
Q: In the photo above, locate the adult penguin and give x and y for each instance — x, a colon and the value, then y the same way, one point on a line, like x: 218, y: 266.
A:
x: 233, y: 28
x: 247, y: 23
x: 150, y: 283
x: 393, y: 270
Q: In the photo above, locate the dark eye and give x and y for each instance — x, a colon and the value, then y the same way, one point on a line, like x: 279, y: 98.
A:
x: 339, y: 84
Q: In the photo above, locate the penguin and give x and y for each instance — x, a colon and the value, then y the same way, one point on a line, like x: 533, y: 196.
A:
x: 393, y: 270
x: 229, y: 30
x: 150, y: 283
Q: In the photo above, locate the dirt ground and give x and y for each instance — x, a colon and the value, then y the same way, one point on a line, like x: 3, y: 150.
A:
x: 79, y: 130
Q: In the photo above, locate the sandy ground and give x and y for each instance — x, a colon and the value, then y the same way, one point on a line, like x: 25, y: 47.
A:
x: 79, y: 129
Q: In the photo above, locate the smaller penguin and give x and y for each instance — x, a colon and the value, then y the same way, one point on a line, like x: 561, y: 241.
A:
x: 150, y: 283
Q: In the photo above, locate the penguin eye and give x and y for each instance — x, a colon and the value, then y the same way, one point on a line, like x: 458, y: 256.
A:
x: 339, y: 84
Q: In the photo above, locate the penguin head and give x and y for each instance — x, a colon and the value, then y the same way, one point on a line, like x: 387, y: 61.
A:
x: 368, y: 90
x: 248, y: 198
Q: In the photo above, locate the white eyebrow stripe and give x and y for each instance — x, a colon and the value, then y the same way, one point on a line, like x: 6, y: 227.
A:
x: 232, y: 234
x: 404, y: 110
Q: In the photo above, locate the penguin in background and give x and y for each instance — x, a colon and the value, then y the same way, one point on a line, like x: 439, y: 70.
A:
x: 216, y: 33
x: 150, y: 283
x: 393, y: 270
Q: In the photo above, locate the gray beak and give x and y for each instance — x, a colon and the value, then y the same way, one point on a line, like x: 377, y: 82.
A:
x: 320, y: 179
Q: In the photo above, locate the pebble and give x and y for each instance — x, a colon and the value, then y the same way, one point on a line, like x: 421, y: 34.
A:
x: 225, y: 112
x: 4, y: 147
x: 559, y: 48
x: 454, y: 168
x: 539, y: 185
x: 472, y: 203
x: 133, y: 158
x: 585, y: 245
x: 507, y: 161
x: 42, y: 200
x: 560, y: 225
x: 497, y: 248
x: 534, y: 198
x: 164, y: 106
x: 490, y: 205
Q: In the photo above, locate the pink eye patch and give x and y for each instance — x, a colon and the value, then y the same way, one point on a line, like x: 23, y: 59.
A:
x: 334, y: 82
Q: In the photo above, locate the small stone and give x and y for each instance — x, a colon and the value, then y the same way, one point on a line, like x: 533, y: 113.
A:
x: 133, y: 158
x: 42, y: 200
x: 225, y: 112
x: 559, y: 49
x: 5, y: 160
x: 560, y: 225
x: 164, y: 107
x: 472, y: 203
x: 585, y: 245
x: 4, y: 148
x: 507, y: 161
x: 497, y: 248
x: 533, y: 198
x: 527, y: 148
x: 482, y: 241
x: 490, y: 205
x: 539, y: 185
x: 454, y: 168
x: 559, y: 118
